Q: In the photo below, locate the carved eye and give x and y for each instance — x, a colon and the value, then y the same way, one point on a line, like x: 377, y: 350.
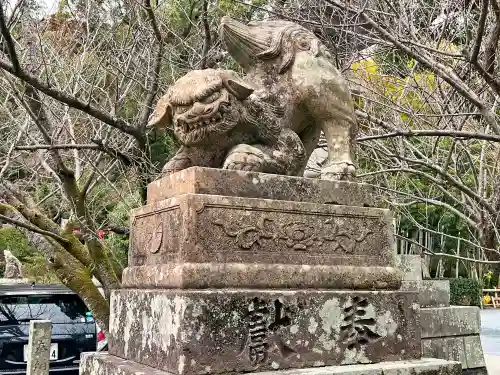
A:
x: 181, y: 109
x: 212, y: 98
x: 303, y: 44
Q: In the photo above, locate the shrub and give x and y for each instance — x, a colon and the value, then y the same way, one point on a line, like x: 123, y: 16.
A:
x: 465, y: 292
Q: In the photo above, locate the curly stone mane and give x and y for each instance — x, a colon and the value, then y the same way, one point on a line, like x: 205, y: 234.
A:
x: 264, y: 117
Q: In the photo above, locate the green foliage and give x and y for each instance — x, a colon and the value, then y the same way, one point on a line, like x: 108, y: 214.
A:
x: 118, y: 244
x: 397, y: 84
x: 488, y: 280
x: 162, y: 148
x: 120, y: 213
x: 246, y: 11
x: 394, y: 62
x: 465, y: 292
x: 119, y: 217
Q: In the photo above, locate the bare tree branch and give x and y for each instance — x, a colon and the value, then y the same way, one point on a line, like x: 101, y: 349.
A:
x: 30, y: 227
x: 9, y: 42
x: 428, y: 251
x: 432, y: 133
x: 72, y: 102
x: 491, y: 47
x: 155, y: 76
x: 445, y: 73
x: 58, y: 147
x: 480, y: 30
x: 208, y: 37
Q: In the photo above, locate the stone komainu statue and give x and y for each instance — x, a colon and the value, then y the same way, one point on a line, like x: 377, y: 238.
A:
x: 271, y: 120
x: 215, y: 115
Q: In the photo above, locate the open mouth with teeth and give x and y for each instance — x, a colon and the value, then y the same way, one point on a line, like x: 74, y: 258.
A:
x: 201, y: 128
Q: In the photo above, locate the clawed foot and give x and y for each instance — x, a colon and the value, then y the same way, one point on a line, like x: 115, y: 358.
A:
x: 245, y: 158
x: 176, y: 164
x: 339, y: 171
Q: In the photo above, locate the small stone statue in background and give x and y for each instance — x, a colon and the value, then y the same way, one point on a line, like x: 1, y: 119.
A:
x: 289, y: 62
x: 13, y: 267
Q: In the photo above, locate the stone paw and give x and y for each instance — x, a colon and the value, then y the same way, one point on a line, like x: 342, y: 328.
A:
x: 245, y: 158
x: 339, y: 171
x: 176, y: 165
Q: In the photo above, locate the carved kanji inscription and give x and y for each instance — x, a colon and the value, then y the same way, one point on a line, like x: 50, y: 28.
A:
x: 358, y: 329
x: 263, y: 336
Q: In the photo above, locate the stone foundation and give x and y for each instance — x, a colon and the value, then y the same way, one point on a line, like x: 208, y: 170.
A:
x: 186, y: 332
x: 450, y: 321
x: 448, y: 332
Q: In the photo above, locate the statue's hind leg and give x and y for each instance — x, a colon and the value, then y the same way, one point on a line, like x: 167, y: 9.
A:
x: 339, y: 165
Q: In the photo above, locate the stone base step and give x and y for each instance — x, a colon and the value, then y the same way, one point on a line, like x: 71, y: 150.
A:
x: 450, y: 321
x: 105, y: 364
x: 465, y: 349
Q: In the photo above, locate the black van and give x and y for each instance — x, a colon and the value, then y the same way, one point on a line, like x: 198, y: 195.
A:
x: 73, y: 327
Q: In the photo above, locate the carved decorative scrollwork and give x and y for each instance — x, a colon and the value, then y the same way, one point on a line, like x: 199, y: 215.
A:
x: 296, y: 235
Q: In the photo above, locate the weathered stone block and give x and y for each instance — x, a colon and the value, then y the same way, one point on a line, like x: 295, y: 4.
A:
x: 431, y: 293
x: 450, y: 321
x: 196, y: 332
x: 208, y: 228
x: 211, y: 181
x: 474, y: 352
x: 465, y: 349
x: 411, y: 266
x: 434, y: 293
x: 425, y: 366
x: 450, y: 348
x: 411, y: 285
x: 39, y: 347
x: 105, y: 364
x: 257, y: 275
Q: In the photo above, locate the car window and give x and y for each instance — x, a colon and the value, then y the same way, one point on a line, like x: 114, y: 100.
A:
x: 57, y: 308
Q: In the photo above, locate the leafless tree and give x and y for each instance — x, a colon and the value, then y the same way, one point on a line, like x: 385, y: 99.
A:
x: 425, y: 79
x: 77, y: 89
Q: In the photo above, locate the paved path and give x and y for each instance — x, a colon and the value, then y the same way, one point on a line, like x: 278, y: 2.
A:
x: 490, y: 339
x: 493, y: 364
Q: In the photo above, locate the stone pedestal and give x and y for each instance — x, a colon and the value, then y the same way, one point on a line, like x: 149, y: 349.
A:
x: 290, y: 243
x: 234, y: 272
